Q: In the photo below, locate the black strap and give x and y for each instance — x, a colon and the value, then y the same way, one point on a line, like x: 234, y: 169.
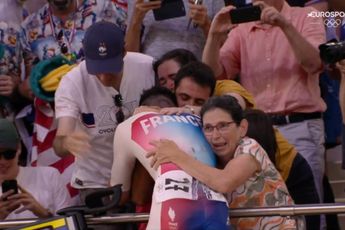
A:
x: 278, y: 119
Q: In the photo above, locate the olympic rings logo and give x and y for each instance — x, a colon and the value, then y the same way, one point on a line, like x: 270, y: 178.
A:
x: 333, y: 23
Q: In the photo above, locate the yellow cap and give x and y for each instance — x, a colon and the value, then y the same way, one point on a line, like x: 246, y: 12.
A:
x: 229, y: 86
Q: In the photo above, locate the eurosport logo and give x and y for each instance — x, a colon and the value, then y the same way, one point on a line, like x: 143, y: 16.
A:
x: 332, y: 18
x: 333, y: 23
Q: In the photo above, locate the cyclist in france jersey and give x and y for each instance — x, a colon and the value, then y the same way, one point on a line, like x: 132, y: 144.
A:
x: 179, y: 201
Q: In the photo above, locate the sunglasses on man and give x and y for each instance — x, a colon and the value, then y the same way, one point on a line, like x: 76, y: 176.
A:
x: 8, y: 154
x: 118, y: 101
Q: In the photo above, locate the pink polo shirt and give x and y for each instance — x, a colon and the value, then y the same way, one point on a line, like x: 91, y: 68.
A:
x: 263, y: 57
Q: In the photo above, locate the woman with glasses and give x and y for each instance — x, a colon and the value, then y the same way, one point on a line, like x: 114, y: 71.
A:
x: 39, y: 192
x: 244, y: 171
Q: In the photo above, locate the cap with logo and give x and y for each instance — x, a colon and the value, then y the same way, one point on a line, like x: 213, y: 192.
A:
x: 103, y: 46
x: 8, y: 134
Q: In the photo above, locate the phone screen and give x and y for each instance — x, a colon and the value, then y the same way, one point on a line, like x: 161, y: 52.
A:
x: 8, y: 185
x: 170, y: 9
x: 245, y: 14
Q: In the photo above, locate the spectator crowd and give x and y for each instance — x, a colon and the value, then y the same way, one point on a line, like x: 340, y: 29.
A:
x: 193, y: 114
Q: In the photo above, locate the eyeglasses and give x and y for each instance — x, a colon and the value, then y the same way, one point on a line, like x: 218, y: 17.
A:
x: 61, y: 43
x: 222, y: 127
x: 8, y: 154
x: 120, y: 116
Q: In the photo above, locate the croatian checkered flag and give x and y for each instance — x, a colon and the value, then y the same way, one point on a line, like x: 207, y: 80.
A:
x: 43, y: 153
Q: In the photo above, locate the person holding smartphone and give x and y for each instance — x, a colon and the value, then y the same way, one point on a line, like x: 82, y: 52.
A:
x: 146, y: 34
x: 40, y: 190
x: 278, y: 61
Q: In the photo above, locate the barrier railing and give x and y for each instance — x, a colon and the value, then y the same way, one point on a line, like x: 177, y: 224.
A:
x: 295, y: 210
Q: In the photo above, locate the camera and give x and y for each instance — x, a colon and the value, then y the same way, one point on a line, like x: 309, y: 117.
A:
x: 332, y: 51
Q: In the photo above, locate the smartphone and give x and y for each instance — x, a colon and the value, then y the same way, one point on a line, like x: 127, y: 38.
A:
x: 245, y: 14
x: 8, y: 185
x: 196, y: 2
x: 169, y: 9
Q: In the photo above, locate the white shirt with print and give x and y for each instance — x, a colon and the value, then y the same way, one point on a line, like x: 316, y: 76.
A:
x: 84, y: 97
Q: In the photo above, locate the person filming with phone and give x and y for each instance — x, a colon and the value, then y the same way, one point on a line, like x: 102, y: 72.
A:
x: 26, y: 192
x: 278, y: 61
x: 158, y: 26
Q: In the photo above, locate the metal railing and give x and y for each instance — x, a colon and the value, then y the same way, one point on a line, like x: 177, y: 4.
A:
x: 295, y: 210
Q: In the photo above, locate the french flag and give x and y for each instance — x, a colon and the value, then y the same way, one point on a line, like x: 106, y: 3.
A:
x: 43, y: 153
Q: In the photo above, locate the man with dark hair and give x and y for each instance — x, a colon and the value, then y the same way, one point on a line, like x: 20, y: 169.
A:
x: 158, y: 96
x: 142, y: 183
x: 194, y: 84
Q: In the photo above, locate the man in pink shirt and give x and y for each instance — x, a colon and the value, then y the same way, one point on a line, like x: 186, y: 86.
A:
x: 278, y: 61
